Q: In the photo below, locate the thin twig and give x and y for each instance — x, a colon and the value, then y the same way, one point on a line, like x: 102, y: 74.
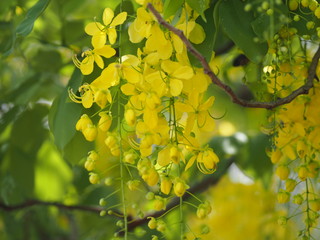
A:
x: 207, y: 70
x: 31, y: 203
x: 199, y: 187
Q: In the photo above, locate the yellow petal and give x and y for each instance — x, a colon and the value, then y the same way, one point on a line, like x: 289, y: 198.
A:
x: 177, y: 43
x: 198, y: 83
x: 213, y: 156
x: 134, y: 36
x: 190, y: 162
x: 119, y: 19
x: 112, y: 35
x: 131, y: 74
x: 146, y: 151
x: 109, y: 76
x: 87, y: 99
x: 201, y: 118
x: 150, y: 117
x: 98, y: 40
x: 197, y: 35
x: 194, y: 99
x: 106, y: 51
x: 165, y: 51
x: 184, y: 72
x: 152, y: 58
x: 186, y: 27
x: 207, y: 104
x: 100, y: 83
x: 209, y: 124
x: 190, y: 123
x: 143, y: 14
x: 86, y: 65
x: 128, y: 89
x: 176, y: 86
x: 141, y: 128
x: 182, y: 107
x: 164, y: 157
x: 93, y: 28
x: 107, y: 16
x: 169, y: 66
x: 98, y: 61
x: 136, y: 103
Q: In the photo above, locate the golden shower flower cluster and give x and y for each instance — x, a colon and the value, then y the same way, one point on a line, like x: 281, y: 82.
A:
x: 296, y: 139
x: 160, y: 102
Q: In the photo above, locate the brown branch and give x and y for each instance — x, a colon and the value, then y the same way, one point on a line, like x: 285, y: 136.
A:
x: 200, y: 187
x: 31, y: 203
x: 207, y: 70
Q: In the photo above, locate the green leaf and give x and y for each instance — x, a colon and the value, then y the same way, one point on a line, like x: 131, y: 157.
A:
x: 206, y: 47
x: 47, y: 60
x: 236, y: 23
x: 266, y: 26
x: 77, y: 148
x: 199, y: 6
x: 7, y: 35
x: 254, y: 160
x: 171, y: 7
x: 26, y: 26
x: 26, y: 138
x: 64, y: 113
x: 26, y: 90
x: 9, y: 117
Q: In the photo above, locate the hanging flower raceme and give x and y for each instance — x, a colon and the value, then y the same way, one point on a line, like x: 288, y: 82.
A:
x: 140, y: 97
x: 101, y: 32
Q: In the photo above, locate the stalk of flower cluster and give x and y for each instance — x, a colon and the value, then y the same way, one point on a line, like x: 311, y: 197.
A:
x: 181, y: 222
x: 122, y: 167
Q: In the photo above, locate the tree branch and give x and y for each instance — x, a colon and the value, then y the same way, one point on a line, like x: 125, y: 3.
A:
x: 200, y: 187
x: 31, y: 203
x: 207, y: 70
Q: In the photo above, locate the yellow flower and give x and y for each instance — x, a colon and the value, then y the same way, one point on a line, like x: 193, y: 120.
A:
x: 86, y: 98
x: 83, y: 122
x: 152, y: 224
x: 140, y: 28
x: 171, y: 78
x: 130, y: 117
x: 170, y: 153
x: 159, y: 203
x: 180, y: 187
x: 94, y: 178
x: 204, y: 209
x: 93, y: 56
x: 283, y: 196
x: 197, y: 112
x: 282, y: 172
x: 159, y: 135
x: 99, y: 32
x: 303, y: 172
x: 206, y: 161
x: 90, y: 133
x: 105, y: 121
x: 158, y: 45
x: 166, y: 185
x: 111, y: 75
